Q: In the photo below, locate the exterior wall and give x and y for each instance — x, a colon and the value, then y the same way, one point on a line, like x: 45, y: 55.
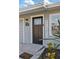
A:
x: 20, y: 31
x: 27, y: 34
x: 24, y: 32
x: 27, y: 30
x: 48, y: 35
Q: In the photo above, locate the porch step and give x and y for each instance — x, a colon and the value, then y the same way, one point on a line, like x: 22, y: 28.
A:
x: 30, y: 50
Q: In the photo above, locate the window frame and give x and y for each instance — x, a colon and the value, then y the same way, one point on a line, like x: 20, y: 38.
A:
x: 50, y: 21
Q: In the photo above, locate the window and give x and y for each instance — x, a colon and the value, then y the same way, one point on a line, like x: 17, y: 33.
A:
x: 54, y: 25
x: 37, y: 21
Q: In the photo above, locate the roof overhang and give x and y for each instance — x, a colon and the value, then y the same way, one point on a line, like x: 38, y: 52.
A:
x: 39, y: 8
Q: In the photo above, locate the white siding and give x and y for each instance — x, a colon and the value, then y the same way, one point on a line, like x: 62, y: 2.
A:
x: 24, y: 32
x: 21, y: 30
x: 27, y: 34
x: 46, y: 28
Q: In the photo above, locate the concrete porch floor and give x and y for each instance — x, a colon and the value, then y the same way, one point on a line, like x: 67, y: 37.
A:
x: 33, y: 49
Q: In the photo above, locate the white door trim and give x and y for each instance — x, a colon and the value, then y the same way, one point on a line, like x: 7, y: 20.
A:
x: 31, y: 26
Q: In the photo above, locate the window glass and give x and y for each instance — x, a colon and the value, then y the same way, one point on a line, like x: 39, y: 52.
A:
x: 55, y: 24
x: 37, y: 21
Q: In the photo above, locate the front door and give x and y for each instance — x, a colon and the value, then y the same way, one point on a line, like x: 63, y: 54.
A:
x: 37, y: 30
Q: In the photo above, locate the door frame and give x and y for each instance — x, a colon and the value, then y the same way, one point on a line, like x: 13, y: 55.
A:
x: 32, y: 26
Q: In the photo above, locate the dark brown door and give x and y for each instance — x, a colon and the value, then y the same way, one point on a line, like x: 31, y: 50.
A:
x: 38, y: 30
